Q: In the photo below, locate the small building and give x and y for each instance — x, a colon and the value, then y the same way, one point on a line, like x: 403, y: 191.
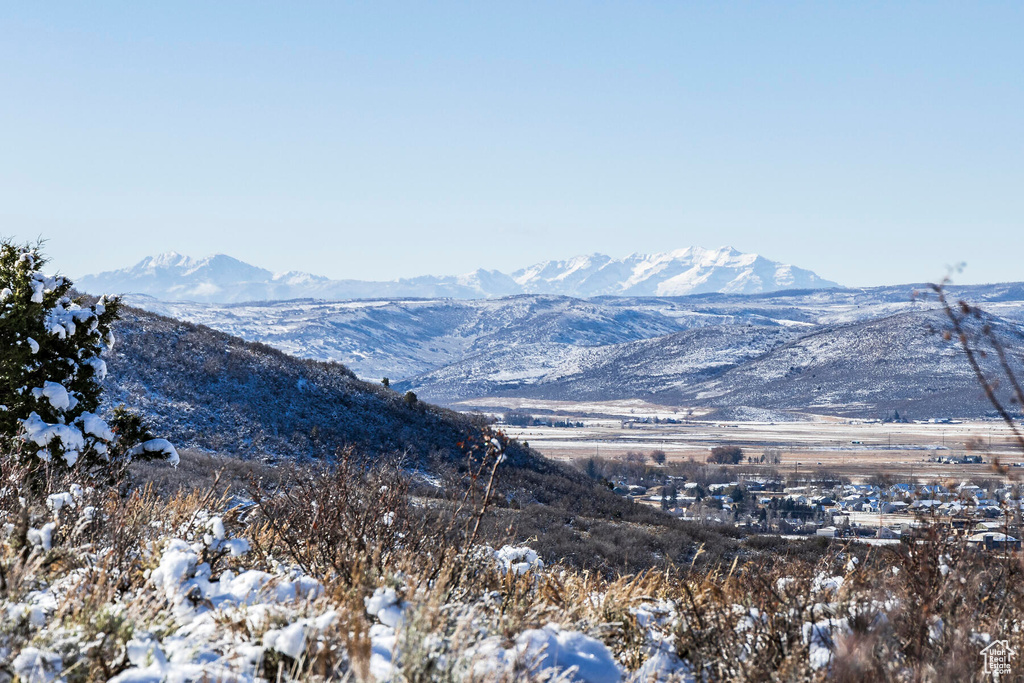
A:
x: 993, y: 541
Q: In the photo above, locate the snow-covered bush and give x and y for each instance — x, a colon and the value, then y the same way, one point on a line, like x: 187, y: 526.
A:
x: 51, y: 367
x: 518, y: 560
x: 190, y: 587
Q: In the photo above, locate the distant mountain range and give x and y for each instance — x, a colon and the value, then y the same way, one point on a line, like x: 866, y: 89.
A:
x: 856, y: 352
x: 597, y: 328
x: 223, y: 279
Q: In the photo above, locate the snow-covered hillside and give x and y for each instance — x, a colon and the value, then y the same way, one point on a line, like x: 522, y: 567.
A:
x: 204, y: 389
x: 407, y: 337
x: 701, y: 349
x: 223, y: 279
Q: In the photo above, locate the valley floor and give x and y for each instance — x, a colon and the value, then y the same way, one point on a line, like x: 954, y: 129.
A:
x: 852, y: 448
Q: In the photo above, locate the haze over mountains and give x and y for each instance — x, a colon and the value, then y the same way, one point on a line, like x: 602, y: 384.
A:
x: 223, y: 279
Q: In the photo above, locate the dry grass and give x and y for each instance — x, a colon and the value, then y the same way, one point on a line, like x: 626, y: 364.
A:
x: 910, y: 612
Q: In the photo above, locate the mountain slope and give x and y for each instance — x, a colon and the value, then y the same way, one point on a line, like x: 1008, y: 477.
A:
x: 639, y: 369
x: 206, y: 389
x: 865, y: 369
x: 222, y: 279
x: 403, y: 338
x: 862, y: 369
x: 862, y: 352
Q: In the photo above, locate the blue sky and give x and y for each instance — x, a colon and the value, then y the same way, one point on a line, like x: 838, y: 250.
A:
x: 874, y: 143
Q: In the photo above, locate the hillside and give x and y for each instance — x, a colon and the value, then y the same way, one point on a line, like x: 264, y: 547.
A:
x: 208, y: 390
x: 865, y: 369
x: 407, y: 337
x: 640, y: 369
x: 866, y: 350
x: 345, y: 576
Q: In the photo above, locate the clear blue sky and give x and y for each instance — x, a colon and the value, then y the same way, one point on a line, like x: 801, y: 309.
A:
x: 872, y: 142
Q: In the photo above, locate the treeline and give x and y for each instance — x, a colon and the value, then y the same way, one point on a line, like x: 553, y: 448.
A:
x: 518, y: 419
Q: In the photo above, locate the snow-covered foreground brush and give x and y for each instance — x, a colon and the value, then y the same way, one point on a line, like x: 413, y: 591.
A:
x: 340, y: 574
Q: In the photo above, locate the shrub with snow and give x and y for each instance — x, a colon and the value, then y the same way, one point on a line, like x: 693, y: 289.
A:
x: 51, y: 366
x: 551, y: 648
x: 188, y: 588
x: 518, y: 560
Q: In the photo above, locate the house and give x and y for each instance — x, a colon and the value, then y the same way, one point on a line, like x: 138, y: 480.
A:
x: 952, y: 509
x: 934, y: 489
x: 968, y: 490
x: 993, y: 540
x: 901, y: 489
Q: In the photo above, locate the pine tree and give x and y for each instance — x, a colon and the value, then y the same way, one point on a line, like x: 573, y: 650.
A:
x: 51, y: 369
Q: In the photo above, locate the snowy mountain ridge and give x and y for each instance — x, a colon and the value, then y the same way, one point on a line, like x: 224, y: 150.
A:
x: 694, y: 270
x: 862, y: 351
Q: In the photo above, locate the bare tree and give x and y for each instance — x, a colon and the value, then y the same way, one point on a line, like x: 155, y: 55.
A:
x: 972, y: 329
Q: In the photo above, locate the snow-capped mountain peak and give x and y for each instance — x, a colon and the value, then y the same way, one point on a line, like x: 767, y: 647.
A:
x: 693, y: 270
x: 218, y: 266
x: 170, y: 259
